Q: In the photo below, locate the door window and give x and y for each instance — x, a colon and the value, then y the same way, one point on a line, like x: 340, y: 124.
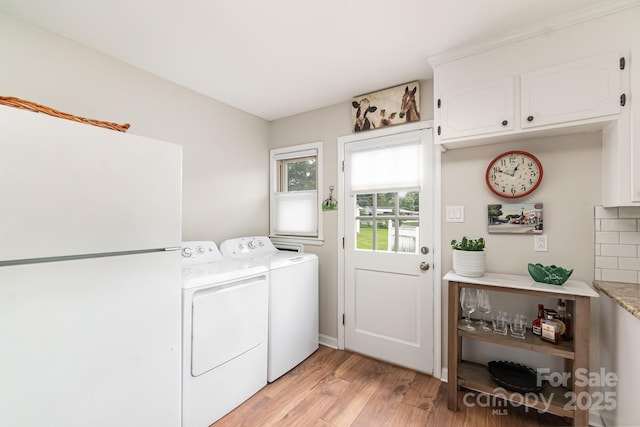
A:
x: 388, y: 221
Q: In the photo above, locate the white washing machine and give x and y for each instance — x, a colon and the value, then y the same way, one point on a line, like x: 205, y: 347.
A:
x: 224, y: 323
x: 293, y: 299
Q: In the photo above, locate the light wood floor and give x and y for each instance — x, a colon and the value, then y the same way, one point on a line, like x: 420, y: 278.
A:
x: 340, y: 388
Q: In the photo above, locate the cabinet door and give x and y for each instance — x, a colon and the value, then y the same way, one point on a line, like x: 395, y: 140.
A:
x: 479, y: 109
x: 634, y: 111
x: 577, y: 90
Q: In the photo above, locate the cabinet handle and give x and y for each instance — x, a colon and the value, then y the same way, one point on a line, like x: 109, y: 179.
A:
x: 530, y: 118
x: 505, y: 122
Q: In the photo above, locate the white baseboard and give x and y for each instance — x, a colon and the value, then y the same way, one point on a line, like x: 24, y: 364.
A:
x: 444, y: 374
x: 328, y: 341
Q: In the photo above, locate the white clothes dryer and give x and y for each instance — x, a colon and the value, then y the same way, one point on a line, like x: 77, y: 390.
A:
x: 293, y: 299
x: 224, y: 344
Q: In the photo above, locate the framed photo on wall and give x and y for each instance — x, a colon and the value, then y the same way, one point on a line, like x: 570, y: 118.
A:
x: 520, y: 218
x: 387, y: 107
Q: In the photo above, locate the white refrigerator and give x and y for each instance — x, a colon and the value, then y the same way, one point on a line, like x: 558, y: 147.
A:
x: 90, y: 275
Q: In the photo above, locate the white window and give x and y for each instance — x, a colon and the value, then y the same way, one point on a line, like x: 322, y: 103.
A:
x: 296, y: 176
x: 385, y: 178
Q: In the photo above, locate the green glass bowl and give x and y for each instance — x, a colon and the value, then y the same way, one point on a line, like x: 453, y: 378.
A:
x: 550, y: 274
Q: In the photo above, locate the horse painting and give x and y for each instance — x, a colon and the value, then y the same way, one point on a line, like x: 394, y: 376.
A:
x: 387, y: 107
x: 409, y: 108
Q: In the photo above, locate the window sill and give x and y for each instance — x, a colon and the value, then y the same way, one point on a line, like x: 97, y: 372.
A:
x: 310, y: 241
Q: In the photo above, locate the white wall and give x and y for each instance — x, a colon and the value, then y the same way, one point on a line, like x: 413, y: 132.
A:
x: 570, y: 189
x: 225, y: 150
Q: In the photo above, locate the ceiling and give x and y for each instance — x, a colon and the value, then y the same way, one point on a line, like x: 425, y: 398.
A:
x: 278, y: 58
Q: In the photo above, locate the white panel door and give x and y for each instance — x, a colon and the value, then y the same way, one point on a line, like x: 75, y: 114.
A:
x: 389, y: 254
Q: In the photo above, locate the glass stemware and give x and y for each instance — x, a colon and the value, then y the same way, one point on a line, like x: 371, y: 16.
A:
x: 469, y: 303
x: 484, y: 307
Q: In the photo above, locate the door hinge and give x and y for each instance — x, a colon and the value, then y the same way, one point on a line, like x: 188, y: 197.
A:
x: 439, y: 103
x: 343, y: 243
x: 343, y: 166
x: 623, y: 100
x: 343, y: 319
x: 439, y: 130
x: 623, y: 63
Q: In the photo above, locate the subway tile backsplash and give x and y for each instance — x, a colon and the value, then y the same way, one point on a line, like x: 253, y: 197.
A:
x: 617, y: 244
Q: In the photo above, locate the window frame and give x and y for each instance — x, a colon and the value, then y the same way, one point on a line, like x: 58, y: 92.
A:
x: 287, y: 153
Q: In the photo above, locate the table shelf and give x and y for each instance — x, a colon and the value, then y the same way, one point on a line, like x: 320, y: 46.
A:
x: 476, y: 377
x: 530, y: 342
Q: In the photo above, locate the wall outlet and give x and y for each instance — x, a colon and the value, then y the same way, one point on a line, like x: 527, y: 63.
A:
x: 540, y: 243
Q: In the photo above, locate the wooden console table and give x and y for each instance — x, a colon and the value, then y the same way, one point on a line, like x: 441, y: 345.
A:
x: 476, y: 377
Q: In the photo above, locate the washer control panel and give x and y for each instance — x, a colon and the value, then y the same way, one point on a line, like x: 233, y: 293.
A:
x: 247, y: 247
x: 199, y: 252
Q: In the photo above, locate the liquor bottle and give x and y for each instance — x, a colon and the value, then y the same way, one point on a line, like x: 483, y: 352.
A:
x: 565, y: 317
x: 552, y: 328
x: 536, y: 325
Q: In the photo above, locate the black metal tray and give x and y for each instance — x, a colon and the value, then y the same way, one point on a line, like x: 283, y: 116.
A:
x: 515, y: 377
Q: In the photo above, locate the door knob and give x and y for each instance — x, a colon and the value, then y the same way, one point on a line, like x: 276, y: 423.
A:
x: 424, y: 266
x: 424, y: 250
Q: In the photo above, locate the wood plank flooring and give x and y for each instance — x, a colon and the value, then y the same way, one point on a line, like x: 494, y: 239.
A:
x: 340, y: 388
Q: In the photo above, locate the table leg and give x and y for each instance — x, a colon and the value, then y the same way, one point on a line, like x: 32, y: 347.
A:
x: 453, y: 347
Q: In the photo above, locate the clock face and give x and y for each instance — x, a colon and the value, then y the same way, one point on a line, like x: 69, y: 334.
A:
x: 514, y: 174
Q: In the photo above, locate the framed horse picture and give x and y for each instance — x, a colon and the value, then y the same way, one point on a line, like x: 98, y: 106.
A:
x: 387, y: 107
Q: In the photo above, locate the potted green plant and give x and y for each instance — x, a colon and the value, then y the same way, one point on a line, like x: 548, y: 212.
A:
x: 468, y: 257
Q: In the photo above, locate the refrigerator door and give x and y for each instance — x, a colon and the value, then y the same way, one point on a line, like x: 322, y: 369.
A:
x: 70, y: 189
x: 91, y: 342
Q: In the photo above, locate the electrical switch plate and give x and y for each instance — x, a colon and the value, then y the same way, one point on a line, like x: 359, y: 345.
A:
x: 454, y: 214
x: 540, y: 243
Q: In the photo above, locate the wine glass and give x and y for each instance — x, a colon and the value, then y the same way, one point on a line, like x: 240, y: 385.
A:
x: 484, y: 307
x: 468, y: 301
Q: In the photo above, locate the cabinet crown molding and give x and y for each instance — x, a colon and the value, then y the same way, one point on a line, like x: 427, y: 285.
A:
x: 562, y: 21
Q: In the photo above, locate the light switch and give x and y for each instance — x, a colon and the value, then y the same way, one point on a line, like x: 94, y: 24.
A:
x: 455, y: 214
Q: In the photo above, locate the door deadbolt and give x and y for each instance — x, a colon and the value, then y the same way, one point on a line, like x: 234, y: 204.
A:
x: 424, y: 266
x: 424, y: 250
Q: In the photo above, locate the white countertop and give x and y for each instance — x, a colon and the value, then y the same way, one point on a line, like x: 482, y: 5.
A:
x: 513, y: 281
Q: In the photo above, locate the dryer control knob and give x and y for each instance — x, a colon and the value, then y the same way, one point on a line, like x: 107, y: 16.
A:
x: 200, y: 249
x: 186, y: 252
x: 252, y: 244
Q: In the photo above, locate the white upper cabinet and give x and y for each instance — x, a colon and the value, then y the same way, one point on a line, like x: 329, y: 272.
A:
x: 578, y: 90
x: 621, y: 145
x: 478, y: 109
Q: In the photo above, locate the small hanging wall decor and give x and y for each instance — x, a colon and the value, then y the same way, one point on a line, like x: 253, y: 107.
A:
x: 330, y: 204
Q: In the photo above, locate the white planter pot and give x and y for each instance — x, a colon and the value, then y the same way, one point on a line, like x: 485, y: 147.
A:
x: 469, y: 263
